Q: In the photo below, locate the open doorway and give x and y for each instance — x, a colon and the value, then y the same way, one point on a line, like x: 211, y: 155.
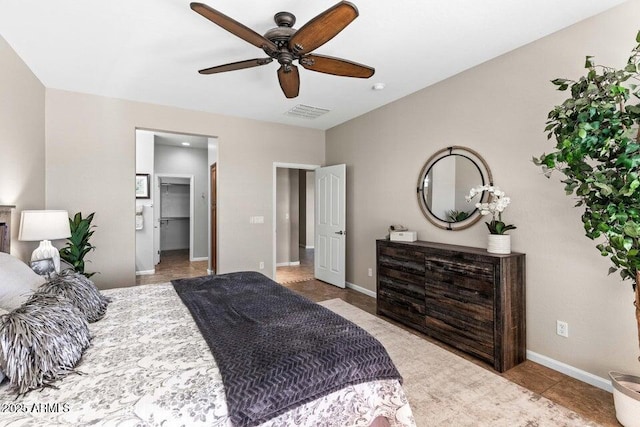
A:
x: 173, y: 240
x: 294, y: 202
x: 175, y: 213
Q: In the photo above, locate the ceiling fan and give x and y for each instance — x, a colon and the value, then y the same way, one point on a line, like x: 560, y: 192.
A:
x: 286, y: 44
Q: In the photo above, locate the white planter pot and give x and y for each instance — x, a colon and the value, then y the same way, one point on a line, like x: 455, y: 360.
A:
x: 626, y: 397
x: 499, y: 244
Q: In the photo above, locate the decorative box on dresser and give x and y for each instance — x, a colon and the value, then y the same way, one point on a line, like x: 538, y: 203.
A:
x: 465, y: 297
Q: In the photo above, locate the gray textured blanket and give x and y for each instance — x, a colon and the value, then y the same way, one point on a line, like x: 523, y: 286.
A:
x: 276, y: 349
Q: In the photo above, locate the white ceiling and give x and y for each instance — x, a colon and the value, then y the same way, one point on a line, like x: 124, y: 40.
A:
x: 177, y: 139
x: 150, y: 50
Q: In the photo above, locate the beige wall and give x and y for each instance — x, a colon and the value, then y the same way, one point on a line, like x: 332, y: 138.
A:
x: 310, y: 209
x: 91, y: 167
x: 287, y: 216
x: 188, y: 161
x: 283, y: 224
x: 306, y: 202
x: 499, y: 109
x: 22, y: 151
x: 294, y: 214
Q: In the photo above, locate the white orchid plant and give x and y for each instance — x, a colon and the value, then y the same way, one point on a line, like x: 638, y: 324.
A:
x: 497, y: 203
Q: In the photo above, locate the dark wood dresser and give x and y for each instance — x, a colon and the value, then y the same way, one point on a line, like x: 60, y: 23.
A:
x: 465, y: 297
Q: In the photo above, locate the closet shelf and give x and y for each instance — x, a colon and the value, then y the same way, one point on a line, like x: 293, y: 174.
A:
x: 169, y: 218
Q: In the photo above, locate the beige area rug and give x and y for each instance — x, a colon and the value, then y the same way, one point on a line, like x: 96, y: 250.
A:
x: 447, y: 390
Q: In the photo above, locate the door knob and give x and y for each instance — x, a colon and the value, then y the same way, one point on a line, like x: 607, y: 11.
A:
x: 341, y: 232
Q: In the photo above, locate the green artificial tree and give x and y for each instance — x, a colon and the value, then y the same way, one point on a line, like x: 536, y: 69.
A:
x: 597, y: 150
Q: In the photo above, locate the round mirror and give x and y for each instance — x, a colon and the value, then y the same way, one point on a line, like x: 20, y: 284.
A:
x: 444, y: 182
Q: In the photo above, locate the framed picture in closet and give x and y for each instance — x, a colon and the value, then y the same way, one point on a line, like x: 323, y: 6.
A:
x: 142, y: 186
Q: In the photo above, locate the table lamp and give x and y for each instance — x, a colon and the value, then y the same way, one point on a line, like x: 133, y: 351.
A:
x: 44, y: 226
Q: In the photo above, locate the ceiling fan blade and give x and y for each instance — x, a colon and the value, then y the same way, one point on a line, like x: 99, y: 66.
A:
x: 323, y: 27
x: 336, y: 66
x: 233, y: 26
x: 289, y: 80
x: 236, y: 66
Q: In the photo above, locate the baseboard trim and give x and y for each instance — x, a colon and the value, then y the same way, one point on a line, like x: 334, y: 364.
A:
x: 571, y: 371
x: 361, y: 289
x: 556, y: 365
x: 288, y: 264
x: 201, y: 258
x: 210, y: 271
x: 145, y: 272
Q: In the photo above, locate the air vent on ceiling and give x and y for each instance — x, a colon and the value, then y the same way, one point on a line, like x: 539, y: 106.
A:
x: 306, y: 112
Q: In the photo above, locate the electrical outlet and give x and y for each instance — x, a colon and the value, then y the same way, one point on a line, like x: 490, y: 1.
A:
x: 562, y: 328
x: 370, y: 272
x: 261, y: 265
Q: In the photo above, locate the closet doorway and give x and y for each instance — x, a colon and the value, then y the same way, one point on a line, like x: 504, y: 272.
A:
x: 174, y: 228
x: 175, y: 217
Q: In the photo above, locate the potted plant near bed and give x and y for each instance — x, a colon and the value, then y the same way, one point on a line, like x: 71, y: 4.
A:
x: 598, y: 151
x: 78, y: 245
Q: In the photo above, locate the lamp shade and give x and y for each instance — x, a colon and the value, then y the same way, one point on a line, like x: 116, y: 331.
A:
x: 44, y: 225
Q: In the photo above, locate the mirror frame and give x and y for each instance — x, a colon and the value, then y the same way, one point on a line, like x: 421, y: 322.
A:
x: 485, y: 174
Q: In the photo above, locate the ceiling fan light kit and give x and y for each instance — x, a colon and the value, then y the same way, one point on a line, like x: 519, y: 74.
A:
x: 285, y: 44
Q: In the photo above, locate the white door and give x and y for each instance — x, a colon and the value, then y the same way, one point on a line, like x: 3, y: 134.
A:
x: 330, y: 224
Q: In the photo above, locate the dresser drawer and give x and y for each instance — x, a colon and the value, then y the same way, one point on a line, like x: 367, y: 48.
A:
x: 401, y: 259
x: 460, y: 267
x: 471, y: 282
x: 460, y: 338
x: 404, y: 310
x: 408, y: 288
x: 401, y: 281
x: 462, y: 300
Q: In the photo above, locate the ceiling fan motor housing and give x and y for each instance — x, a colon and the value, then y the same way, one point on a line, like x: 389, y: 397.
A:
x: 282, y: 33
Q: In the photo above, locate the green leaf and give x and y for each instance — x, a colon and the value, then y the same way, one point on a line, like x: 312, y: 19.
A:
x: 632, y: 229
x: 605, y: 189
x: 588, y: 63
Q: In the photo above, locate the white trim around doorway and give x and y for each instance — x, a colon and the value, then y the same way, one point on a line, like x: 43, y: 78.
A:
x: 192, y: 199
x: 277, y: 165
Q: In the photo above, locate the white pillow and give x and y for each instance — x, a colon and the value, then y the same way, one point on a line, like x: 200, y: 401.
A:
x: 17, y: 282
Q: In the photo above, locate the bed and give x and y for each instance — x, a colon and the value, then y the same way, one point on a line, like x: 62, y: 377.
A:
x: 148, y: 364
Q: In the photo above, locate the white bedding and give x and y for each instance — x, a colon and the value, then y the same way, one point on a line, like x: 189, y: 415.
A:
x: 149, y: 365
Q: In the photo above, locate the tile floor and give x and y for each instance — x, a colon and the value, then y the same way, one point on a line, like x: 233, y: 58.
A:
x: 591, y: 402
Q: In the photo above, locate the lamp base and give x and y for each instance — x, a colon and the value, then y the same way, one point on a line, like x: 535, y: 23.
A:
x: 47, y: 250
